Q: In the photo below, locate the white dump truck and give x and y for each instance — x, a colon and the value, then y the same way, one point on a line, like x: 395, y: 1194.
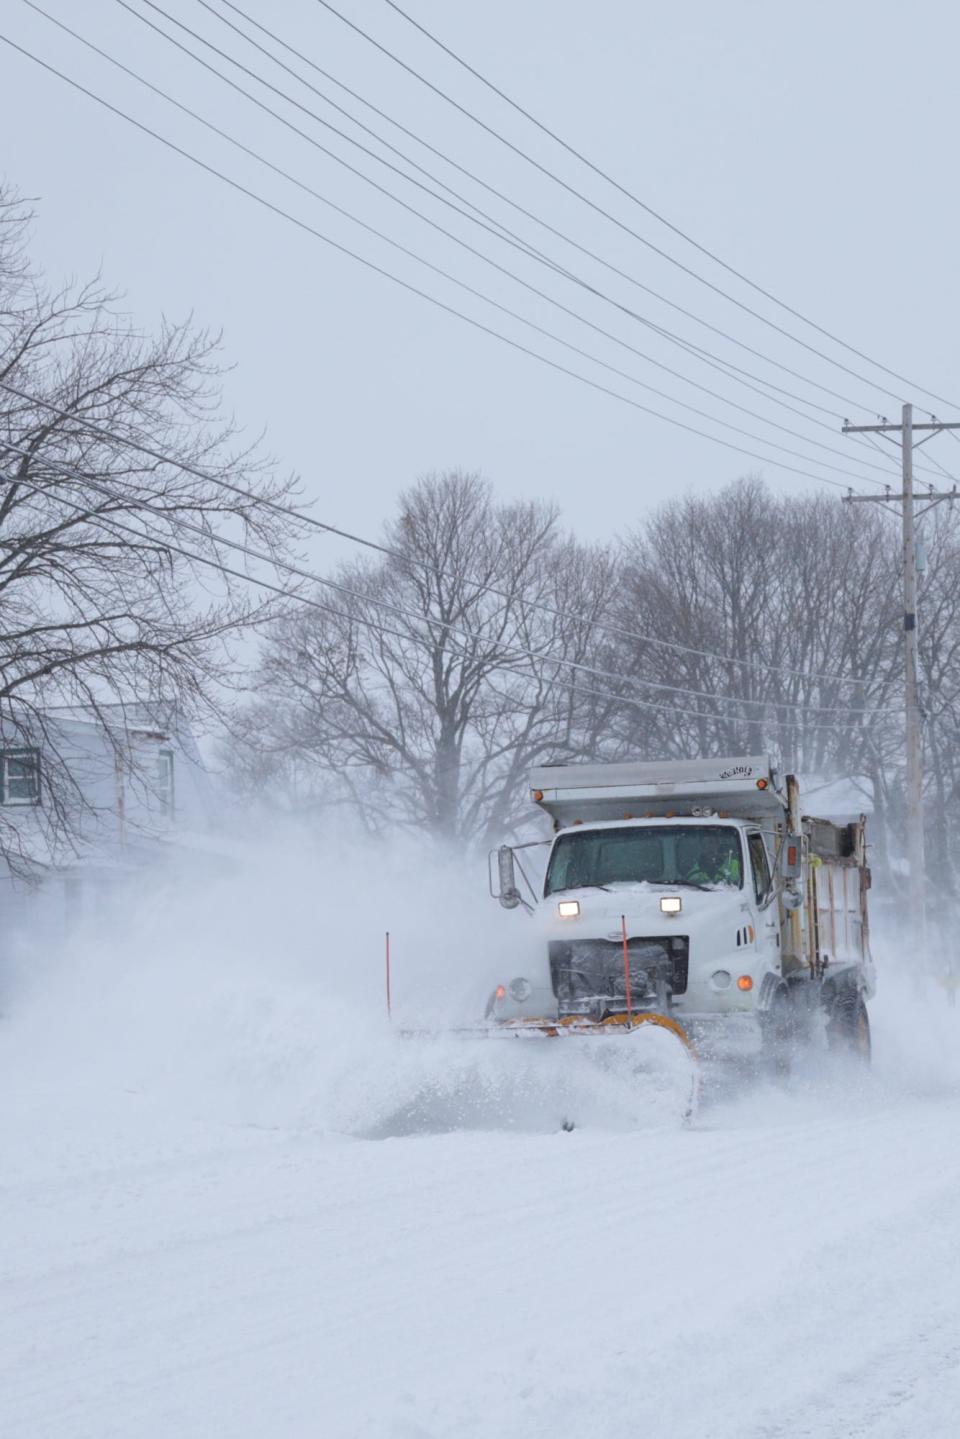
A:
x: 694, y: 892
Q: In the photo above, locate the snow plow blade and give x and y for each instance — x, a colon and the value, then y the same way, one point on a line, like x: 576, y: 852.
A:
x: 615, y: 1027
x: 577, y: 1024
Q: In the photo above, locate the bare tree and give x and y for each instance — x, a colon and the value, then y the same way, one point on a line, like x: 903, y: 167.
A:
x: 939, y: 613
x: 419, y: 696
x: 791, y: 607
x: 104, y: 598
x: 422, y: 690
x: 771, y: 620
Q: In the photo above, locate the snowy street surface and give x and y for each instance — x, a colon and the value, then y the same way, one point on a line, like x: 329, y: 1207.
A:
x: 779, y: 1270
x: 230, y: 1208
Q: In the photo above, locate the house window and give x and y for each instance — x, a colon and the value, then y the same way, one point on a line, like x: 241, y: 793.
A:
x: 165, y: 781
x: 20, y: 776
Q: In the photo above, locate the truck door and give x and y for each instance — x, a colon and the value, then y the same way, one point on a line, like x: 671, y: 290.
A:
x: 767, y: 920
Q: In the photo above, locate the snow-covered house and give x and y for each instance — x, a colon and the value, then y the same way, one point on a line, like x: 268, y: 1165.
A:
x: 89, y: 801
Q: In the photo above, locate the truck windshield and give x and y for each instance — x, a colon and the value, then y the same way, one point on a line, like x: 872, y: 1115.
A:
x: 679, y: 854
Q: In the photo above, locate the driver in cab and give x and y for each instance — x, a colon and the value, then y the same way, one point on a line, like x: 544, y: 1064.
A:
x: 717, y: 861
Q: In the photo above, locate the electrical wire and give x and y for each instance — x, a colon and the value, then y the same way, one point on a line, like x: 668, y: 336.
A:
x: 584, y: 354
x: 301, y: 516
x: 578, y: 194
x: 724, y: 367
x: 113, y: 526
x: 379, y: 628
x: 531, y: 251
x: 405, y: 284
x: 682, y: 234
x: 299, y: 572
x: 312, y: 602
x: 508, y: 236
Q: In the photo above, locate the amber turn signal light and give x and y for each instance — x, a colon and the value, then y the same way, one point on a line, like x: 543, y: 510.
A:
x: 744, y: 982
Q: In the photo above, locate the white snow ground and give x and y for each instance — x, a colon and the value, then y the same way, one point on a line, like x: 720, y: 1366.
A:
x: 228, y: 1208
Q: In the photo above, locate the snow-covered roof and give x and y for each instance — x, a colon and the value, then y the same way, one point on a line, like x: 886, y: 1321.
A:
x: 838, y: 799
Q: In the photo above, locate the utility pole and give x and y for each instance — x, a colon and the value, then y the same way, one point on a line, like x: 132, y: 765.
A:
x: 906, y: 430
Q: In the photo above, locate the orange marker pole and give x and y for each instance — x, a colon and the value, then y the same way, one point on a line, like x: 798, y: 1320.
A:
x: 626, y: 967
x: 389, y: 1008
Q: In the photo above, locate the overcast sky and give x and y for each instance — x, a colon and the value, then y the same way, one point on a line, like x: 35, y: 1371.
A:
x: 811, y: 146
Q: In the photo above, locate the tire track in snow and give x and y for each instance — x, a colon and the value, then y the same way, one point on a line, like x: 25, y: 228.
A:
x: 449, y: 1262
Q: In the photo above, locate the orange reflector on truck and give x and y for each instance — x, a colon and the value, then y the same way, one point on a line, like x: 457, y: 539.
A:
x: 500, y: 991
x: 761, y: 784
x: 744, y: 982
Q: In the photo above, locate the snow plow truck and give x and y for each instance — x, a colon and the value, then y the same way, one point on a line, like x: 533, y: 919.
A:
x: 696, y: 896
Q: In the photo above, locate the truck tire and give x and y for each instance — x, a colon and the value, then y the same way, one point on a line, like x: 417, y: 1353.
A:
x: 780, y: 1035
x: 848, y: 1028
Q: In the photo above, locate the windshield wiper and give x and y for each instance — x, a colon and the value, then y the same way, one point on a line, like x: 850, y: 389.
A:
x: 679, y: 884
x: 567, y: 887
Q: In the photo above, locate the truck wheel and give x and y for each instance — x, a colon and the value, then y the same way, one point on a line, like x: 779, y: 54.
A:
x: 848, y: 1029
x: 780, y: 1036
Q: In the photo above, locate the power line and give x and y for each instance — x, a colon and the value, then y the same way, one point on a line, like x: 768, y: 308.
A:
x: 507, y: 236
x: 574, y: 689
x: 486, y: 221
x: 113, y: 525
x: 571, y: 189
x: 340, y: 109
x: 313, y: 603
x: 704, y: 355
x: 710, y: 254
x: 521, y: 319
x: 493, y: 225
x: 405, y: 284
x: 300, y: 572
x: 725, y: 367
x: 135, y: 443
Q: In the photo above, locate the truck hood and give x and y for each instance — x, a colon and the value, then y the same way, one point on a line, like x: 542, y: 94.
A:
x: 602, y: 911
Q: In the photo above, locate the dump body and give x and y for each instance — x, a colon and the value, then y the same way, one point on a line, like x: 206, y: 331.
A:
x: 693, y: 889
x: 584, y: 793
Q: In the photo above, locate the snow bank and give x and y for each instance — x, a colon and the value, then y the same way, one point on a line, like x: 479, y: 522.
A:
x: 191, y: 1244
x: 259, y: 999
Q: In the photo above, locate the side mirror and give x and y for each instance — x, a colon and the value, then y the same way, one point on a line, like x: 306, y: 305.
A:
x: 509, y: 895
x: 791, y: 856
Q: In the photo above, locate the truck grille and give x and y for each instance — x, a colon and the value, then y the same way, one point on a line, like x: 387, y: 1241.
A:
x: 588, y: 977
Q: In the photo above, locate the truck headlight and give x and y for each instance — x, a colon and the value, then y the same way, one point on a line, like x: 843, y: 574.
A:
x: 568, y: 908
x: 520, y: 989
x: 670, y: 904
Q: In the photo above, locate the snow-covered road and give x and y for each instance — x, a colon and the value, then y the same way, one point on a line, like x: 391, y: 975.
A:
x: 784, y: 1268
x: 229, y: 1208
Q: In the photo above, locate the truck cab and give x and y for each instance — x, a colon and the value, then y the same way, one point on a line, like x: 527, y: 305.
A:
x: 689, y: 888
x: 694, y: 897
